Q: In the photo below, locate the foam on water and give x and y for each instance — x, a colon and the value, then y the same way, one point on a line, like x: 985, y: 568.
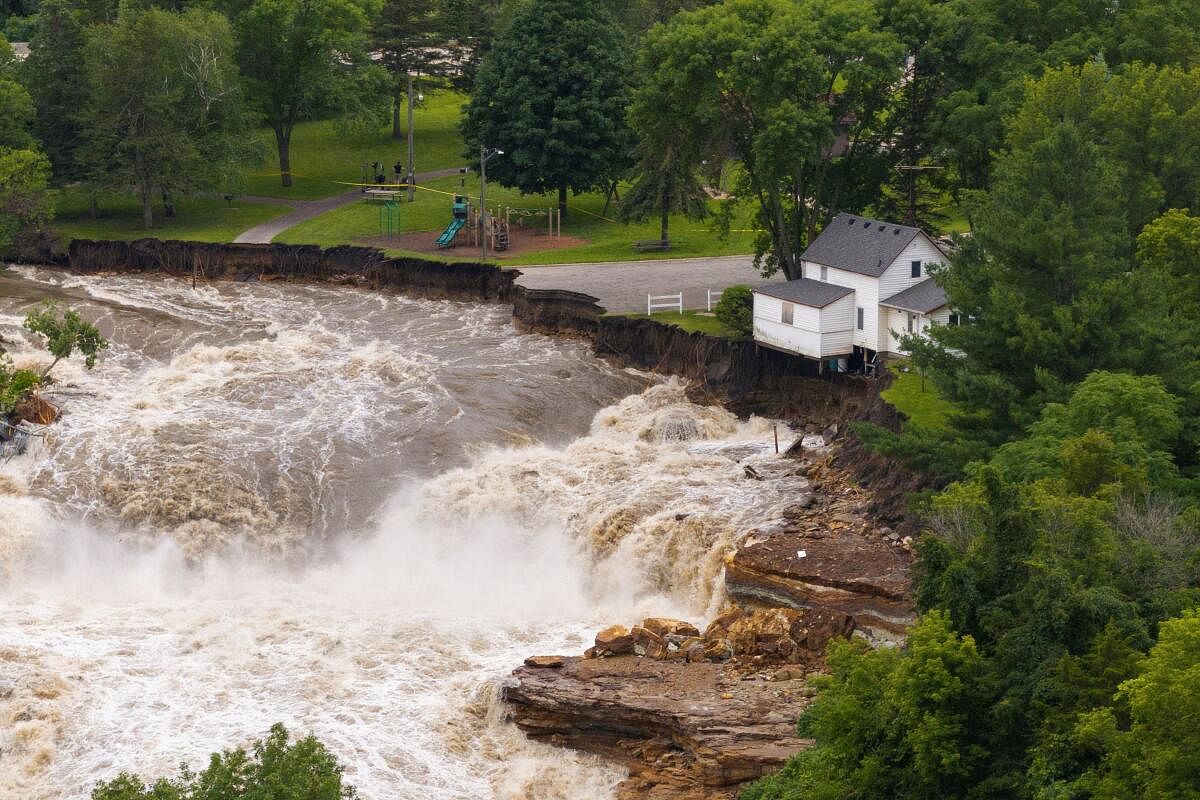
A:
x: 168, y: 592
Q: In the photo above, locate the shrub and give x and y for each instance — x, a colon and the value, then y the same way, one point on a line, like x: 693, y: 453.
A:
x: 735, y: 310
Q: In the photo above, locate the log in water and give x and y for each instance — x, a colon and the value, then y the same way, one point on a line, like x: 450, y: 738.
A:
x: 351, y: 512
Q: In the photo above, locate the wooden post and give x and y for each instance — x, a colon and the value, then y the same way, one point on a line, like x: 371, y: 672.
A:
x: 775, y: 430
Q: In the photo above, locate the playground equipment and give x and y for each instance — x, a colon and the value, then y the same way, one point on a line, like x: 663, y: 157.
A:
x: 462, y: 212
x: 389, y: 219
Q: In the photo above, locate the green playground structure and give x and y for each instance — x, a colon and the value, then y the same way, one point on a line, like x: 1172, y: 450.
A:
x: 461, y: 212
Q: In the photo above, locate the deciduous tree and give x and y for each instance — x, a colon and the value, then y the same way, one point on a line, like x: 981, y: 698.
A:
x: 552, y: 95
x: 306, y: 59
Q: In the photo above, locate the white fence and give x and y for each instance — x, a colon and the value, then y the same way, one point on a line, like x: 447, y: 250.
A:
x: 713, y: 297
x: 664, y: 302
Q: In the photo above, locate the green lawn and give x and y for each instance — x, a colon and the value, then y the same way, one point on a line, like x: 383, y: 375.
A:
x: 917, y: 398
x: 691, y: 321
x: 607, y: 239
x: 322, y: 154
x: 199, y: 220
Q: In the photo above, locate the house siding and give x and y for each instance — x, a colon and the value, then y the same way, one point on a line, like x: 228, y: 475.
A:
x: 808, y: 334
x: 866, y: 297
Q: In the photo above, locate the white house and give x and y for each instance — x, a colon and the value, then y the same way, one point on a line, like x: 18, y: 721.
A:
x: 866, y: 284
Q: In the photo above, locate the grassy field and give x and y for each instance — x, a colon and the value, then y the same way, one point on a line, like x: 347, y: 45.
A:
x: 692, y: 321
x: 607, y: 239
x: 198, y: 220
x: 322, y: 154
x: 917, y: 399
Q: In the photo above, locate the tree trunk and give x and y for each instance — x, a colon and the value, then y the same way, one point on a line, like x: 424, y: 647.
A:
x: 168, y: 205
x: 396, y: 132
x: 93, y: 206
x: 562, y: 200
x: 147, y: 208
x: 284, y: 140
x: 666, y: 217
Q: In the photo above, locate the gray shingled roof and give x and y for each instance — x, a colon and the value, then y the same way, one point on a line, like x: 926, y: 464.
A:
x: 923, y: 298
x: 805, y: 291
x: 858, y: 244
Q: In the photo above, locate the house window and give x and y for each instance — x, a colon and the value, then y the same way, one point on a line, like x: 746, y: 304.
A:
x: 916, y: 269
x: 955, y: 319
x: 824, y: 273
x: 861, y: 319
x: 788, y: 313
x: 911, y: 318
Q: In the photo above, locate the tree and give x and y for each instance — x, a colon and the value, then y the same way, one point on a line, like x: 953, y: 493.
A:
x: 892, y: 723
x: 1150, y: 737
x: 275, y: 769
x: 66, y: 333
x: 54, y: 74
x: 306, y: 59
x: 16, y: 116
x: 666, y: 165
x: 24, y: 177
x: 165, y: 113
x: 552, y: 95
x: 409, y: 37
x: 799, y: 93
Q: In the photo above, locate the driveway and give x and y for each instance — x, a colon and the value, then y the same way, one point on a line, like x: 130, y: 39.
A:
x: 622, y: 286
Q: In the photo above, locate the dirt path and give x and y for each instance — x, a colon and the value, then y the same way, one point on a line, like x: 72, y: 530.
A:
x: 304, y: 210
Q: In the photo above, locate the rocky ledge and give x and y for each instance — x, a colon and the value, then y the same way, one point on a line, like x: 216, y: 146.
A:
x: 828, y: 554
x: 693, y: 716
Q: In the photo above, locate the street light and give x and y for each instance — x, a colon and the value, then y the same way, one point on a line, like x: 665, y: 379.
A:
x: 485, y: 154
x: 411, y: 179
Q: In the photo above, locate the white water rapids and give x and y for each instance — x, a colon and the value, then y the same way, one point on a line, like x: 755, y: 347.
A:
x: 350, y: 512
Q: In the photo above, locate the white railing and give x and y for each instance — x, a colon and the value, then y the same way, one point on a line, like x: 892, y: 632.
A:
x: 663, y: 302
x: 713, y: 297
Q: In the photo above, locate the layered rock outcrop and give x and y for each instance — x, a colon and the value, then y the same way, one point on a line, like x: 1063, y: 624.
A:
x: 691, y: 715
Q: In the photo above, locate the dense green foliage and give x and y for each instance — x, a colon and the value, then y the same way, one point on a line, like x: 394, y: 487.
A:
x: 552, y: 96
x: 735, y: 310
x: 274, y: 769
x: 66, y: 333
x: 164, y: 113
x: 304, y: 59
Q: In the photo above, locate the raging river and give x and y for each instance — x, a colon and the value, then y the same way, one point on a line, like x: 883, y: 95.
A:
x: 347, y: 511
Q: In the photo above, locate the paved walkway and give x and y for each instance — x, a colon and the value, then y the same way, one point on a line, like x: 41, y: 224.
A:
x: 622, y: 286
x: 304, y: 210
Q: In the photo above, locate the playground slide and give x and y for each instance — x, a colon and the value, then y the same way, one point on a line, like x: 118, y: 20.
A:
x: 447, y: 237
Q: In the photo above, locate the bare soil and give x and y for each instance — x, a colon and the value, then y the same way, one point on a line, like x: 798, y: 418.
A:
x: 521, y: 242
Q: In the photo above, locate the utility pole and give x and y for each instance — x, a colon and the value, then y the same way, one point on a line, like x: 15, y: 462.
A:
x: 909, y: 171
x: 412, y: 190
x: 483, y: 199
x: 484, y: 155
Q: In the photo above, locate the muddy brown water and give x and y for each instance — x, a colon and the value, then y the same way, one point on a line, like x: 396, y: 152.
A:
x: 348, y: 511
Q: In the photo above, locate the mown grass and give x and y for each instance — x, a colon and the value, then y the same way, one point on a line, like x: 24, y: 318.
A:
x: 691, y: 321
x: 917, y: 398
x: 324, y: 160
x: 324, y: 154
x: 607, y: 239
x: 198, y: 219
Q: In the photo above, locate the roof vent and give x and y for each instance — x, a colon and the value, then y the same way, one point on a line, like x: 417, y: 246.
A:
x: 867, y: 224
x: 882, y: 226
x: 853, y: 220
x: 895, y: 231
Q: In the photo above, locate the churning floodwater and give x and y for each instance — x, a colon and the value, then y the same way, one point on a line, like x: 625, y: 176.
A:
x: 348, y: 511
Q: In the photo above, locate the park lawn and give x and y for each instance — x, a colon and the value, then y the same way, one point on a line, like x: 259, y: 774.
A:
x: 323, y: 154
x: 198, y: 219
x: 917, y: 399
x: 691, y: 321
x: 607, y: 239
